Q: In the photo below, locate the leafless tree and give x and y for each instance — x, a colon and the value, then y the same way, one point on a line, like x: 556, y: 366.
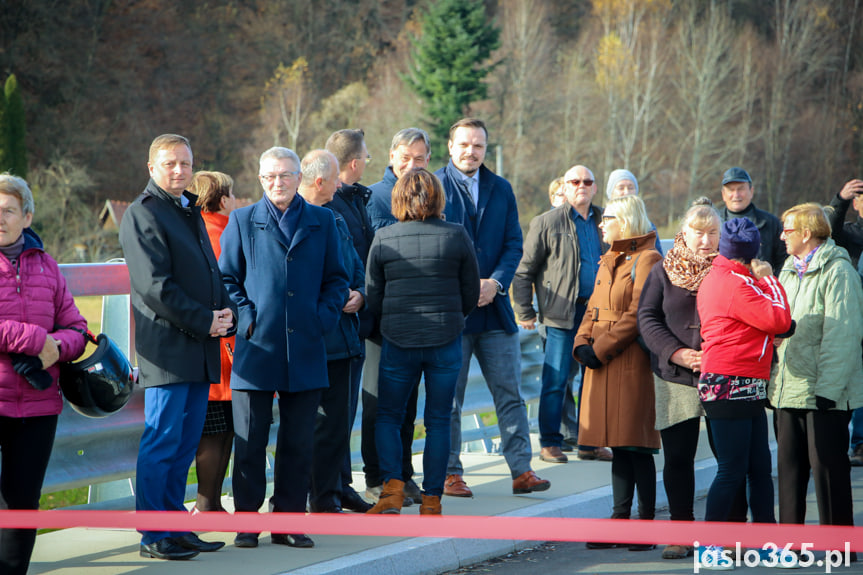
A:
x: 709, y: 98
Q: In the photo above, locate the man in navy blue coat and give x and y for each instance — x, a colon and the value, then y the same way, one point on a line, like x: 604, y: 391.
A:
x: 490, y: 215
x: 282, y: 265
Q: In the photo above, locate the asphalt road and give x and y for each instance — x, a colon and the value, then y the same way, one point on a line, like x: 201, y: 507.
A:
x: 570, y: 558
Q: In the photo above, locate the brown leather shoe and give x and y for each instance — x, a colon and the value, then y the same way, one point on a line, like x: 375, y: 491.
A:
x: 553, y: 454
x: 456, y: 487
x: 528, y: 482
x: 604, y: 454
x: 598, y: 454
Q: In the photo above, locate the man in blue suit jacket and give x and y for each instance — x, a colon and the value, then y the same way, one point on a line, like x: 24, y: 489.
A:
x: 282, y: 265
x: 491, y: 219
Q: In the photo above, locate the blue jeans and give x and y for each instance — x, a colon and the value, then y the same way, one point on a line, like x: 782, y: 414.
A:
x: 742, y: 458
x: 400, y: 371
x: 555, y: 376
x: 856, y: 427
x: 173, y: 420
x: 499, y: 356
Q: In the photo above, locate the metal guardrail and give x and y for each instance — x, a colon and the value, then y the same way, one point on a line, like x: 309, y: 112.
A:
x: 102, y: 453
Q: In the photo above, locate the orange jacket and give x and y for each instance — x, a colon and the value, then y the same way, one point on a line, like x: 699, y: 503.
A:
x: 220, y: 391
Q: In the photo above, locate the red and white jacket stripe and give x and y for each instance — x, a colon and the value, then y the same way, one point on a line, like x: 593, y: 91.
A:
x: 740, y: 316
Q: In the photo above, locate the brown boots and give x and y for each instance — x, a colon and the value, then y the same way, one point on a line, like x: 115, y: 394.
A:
x: 431, y: 505
x: 391, y: 498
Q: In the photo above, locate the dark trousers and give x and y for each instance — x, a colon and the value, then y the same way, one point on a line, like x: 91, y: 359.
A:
x: 740, y: 507
x: 809, y: 440
x: 742, y: 459
x: 371, y: 464
x: 631, y: 469
x: 253, y: 415
x: 356, y: 378
x: 401, y: 369
x: 679, y: 444
x: 332, y: 436
x: 25, y: 446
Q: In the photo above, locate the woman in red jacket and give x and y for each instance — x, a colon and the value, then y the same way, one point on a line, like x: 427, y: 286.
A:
x: 34, y: 300
x: 742, y: 307
x: 215, y: 192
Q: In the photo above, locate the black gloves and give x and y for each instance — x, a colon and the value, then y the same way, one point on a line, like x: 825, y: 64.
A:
x: 790, y: 331
x: 823, y: 404
x: 31, y: 368
x: 587, y: 356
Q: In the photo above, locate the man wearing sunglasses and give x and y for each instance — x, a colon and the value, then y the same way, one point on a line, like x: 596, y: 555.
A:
x: 561, y: 257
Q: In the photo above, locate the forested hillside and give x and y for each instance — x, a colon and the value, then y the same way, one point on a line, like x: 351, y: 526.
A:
x: 676, y: 91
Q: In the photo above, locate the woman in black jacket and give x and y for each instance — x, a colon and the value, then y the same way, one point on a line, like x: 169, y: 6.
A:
x: 668, y: 322
x: 422, y: 279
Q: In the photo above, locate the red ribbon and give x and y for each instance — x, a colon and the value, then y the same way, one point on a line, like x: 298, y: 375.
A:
x: 754, y: 535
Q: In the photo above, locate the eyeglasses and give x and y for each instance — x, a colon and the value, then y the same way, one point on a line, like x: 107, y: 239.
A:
x: 604, y: 217
x: 787, y: 231
x: 576, y: 183
x: 270, y: 178
x: 368, y: 159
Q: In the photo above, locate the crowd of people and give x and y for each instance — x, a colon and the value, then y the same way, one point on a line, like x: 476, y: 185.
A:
x: 326, y: 293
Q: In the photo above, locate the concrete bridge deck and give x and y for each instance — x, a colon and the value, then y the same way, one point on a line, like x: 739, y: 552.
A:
x: 579, y: 489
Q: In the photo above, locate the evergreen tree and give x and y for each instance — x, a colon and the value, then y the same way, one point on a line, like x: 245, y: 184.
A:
x: 450, y: 61
x: 3, y: 141
x: 14, y: 128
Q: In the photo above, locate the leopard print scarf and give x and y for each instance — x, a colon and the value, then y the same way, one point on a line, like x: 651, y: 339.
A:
x: 686, y: 269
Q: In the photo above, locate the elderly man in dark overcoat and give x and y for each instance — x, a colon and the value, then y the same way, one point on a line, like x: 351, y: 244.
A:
x: 282, y: 266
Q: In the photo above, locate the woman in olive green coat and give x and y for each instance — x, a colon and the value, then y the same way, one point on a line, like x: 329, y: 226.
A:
x: 818, y: 379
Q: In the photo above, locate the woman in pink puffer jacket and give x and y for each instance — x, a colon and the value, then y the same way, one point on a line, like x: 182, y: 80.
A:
x: 34, y: 301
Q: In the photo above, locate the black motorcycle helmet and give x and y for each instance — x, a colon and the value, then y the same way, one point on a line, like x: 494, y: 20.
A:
x: 102, y: 383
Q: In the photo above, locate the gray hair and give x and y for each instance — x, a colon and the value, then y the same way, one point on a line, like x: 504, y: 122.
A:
x: 15, y: 186
x: 408, y: 136
x: 318, y: 164
x: 279, y: 153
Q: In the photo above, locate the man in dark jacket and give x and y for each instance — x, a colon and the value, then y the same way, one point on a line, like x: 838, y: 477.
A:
x: 181, y: 308
x: 410, y: 149
x: 490, y: 216
x: 320, y: 171
x: 737, y: 192
x: 849, y: 235
x: 282, y: 265
x: 561, y: 256
x: 349, y: 148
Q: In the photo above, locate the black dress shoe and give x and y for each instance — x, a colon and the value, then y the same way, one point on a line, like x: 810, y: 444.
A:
x: 292, y: 540
x: 192, y: 541
x: 324, y: 509
x: 167, y: 549
x: 246, y: 540
x: 352, y: 501
x: 603, y: 545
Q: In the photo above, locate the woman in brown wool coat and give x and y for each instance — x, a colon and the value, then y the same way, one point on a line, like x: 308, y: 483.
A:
x: 618, y: 408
